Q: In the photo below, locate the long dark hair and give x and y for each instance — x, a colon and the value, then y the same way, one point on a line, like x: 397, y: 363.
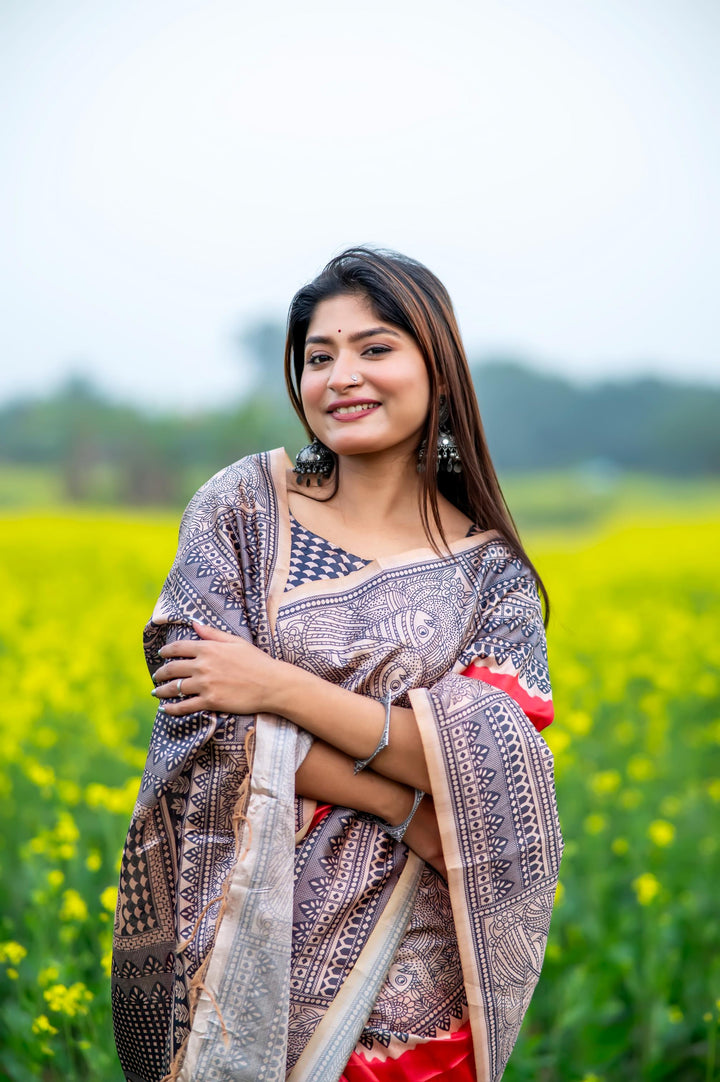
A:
x: 406, y: 294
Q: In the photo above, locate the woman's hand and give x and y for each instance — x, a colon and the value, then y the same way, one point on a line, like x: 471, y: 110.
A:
x: 220, y: 672
x: 423, y: 836
x: 224, y: 673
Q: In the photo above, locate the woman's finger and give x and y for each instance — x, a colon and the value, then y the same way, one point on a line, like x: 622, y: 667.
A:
x: 181, y: 648
x: 179, y: 708
x: 171, y: 670
x: 175, y: 689
x: 207, y: 632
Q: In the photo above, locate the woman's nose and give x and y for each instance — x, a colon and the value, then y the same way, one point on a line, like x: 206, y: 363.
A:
x: 345, y: 372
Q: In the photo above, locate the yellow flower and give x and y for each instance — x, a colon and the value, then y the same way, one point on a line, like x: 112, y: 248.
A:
x: 70, y: 1001
x: 661, y: 833
x: 606, y: 781
x: 714, y: 790
x: 42, y: 776
x: 42, y: 1024
x: 73, y: 907
x: 641, y: 768
x: 595, y: 824
x: 620, y: 846
x: 69, y: 792
x: 675, y: 1015
x: 55, y: 877
x: 12, y: 952
x: 48, y: 975
x: 646, y: 887
x: 559, y: 893
x: 559, y: 741
x: 579, y: 722
x: 106, y: 963
x: 93, y: 861
x: 121, y: 801
x: 108, y: 899
x: 66, y: 829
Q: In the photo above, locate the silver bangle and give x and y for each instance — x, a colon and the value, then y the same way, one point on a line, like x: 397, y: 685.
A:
x: 398, y: 832
x: 360, y: 764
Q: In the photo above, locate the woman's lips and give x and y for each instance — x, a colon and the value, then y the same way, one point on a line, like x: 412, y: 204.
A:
x: 352, y: 410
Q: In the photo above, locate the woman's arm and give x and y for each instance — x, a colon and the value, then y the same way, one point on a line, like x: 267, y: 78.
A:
x: 222, y: 672
x: 327, y: 775
x: 353, y: 724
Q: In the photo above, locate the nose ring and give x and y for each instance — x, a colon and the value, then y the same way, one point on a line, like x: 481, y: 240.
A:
x: 354, y: 377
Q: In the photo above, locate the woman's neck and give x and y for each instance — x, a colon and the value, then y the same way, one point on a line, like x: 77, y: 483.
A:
x: 385, y: 486
x: 375, y: 511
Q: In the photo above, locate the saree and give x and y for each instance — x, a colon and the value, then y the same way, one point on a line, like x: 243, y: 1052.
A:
x: 254, y: 941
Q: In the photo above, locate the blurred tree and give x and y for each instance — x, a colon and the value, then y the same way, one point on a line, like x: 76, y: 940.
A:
x: 102, y: 450
x: 537, y: 421
x: 264, y: 339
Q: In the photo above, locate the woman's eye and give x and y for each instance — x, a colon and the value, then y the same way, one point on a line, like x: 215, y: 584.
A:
x: 317, y: 358
x: 375, y: 351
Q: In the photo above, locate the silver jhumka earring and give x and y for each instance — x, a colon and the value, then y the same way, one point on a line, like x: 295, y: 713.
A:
x: 313, y: 460
x: 448, y: 456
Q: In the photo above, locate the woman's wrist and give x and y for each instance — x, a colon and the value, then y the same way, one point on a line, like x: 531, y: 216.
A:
x: 290, y: 683
x: 386, y: 799
x: 327, y: 775
x: 400, y: 805
x: 349, y: 720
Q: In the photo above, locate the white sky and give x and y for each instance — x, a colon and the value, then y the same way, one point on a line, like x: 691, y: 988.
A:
x: 171, y: 169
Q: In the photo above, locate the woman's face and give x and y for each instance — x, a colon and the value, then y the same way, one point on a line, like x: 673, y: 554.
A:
x: 386, y: 405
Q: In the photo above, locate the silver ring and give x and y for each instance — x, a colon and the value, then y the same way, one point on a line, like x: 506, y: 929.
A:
x: 179, y: 685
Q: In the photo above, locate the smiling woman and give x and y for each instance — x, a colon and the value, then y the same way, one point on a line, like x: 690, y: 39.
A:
x: 344, y: 855
x: 365, y: 388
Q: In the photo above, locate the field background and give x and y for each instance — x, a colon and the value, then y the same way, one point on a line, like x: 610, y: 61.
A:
x: 632, y: 974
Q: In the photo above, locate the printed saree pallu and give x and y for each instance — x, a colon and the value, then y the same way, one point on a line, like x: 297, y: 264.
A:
x: 256, y: 940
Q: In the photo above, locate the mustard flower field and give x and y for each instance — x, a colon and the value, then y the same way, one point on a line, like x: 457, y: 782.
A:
x: 631, y: 983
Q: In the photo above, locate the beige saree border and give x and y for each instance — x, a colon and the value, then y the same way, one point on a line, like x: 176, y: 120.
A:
x: 254, y: 934
x: 331, y: 1045
x: 453, y: 863
x: 279, y: 462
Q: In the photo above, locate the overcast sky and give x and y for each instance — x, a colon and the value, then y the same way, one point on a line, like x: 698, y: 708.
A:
x: 173, y: 169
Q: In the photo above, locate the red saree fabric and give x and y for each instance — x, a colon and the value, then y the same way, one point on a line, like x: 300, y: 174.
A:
x: 450, y: 1058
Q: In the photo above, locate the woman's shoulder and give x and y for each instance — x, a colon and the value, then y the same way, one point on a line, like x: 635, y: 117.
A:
x: 242, y: 486
x: 243, y: 473
x: 498, y: 564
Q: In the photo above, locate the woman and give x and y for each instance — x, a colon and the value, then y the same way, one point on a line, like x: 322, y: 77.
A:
x: 345, y: 849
